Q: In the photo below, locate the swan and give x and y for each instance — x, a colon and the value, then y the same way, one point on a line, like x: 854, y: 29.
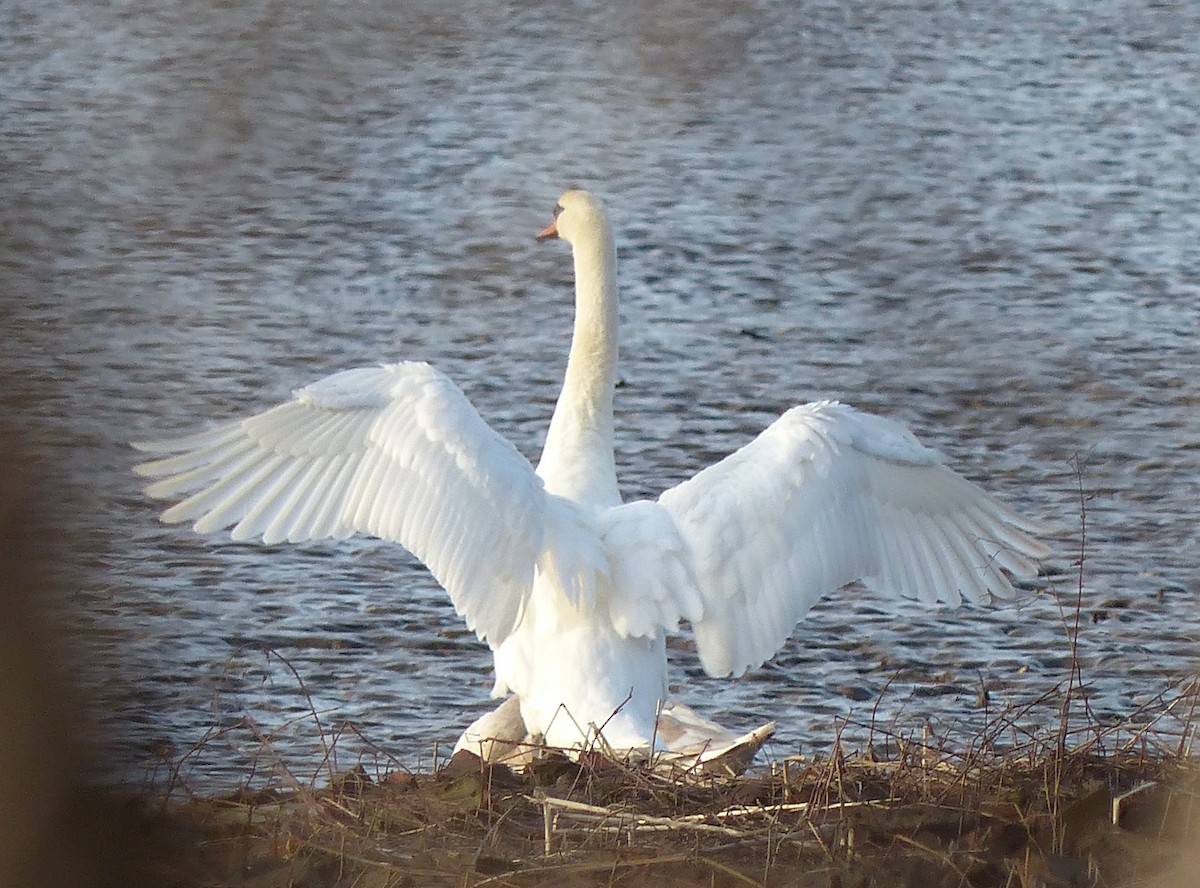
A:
x: 573, y: 589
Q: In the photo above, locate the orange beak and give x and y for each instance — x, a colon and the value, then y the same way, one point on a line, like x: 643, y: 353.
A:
x: 548, y: 232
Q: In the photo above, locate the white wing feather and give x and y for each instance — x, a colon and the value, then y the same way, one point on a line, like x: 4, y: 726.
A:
x: 396, y: 451
x: 651, y: 585
x: 824, y: 496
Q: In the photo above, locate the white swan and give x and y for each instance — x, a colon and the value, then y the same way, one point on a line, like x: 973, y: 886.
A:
x: 572, y: 589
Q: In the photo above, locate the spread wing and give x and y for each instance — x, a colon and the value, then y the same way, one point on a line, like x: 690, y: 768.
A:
x: 824, y: 496
x: 395, y: 451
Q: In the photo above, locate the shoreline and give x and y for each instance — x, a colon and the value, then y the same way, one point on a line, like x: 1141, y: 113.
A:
x: 1082, y: 806
x: 1068, y: 817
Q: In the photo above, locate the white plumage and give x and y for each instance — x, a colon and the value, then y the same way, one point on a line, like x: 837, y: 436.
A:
x: 572, y: 589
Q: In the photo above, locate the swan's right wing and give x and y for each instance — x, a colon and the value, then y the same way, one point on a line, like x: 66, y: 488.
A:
x: 396, y: 451
x: 825, y: 495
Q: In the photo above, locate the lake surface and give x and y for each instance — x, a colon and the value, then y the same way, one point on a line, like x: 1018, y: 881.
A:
x: 981, y: 219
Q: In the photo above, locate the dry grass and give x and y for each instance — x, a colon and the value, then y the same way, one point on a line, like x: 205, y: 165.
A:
x: 1090, y: 807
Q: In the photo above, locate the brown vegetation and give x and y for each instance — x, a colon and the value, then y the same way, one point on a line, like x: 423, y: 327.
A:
x: 1111, y: 810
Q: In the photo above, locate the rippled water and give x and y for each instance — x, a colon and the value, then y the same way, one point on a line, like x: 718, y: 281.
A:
x: 978, y: 218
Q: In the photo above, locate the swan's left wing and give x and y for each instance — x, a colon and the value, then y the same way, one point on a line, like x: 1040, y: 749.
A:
x: 824, y: 496
x: 395, y: 451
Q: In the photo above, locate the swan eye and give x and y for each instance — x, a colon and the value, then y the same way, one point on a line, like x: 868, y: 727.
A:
x: 557, y: 210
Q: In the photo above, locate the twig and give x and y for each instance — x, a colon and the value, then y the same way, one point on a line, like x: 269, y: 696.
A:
x: 304, y: 793
x: 327, y: 760
x: 610, y: 820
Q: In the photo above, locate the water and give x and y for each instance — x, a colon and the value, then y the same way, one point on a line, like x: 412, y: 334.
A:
x: 977, y: 218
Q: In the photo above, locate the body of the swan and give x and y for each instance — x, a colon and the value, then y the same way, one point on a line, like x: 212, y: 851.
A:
x: 573, y: 589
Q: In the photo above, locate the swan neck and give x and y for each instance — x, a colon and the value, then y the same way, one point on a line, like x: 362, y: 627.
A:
x: 592, y: 363
x: 577, y: 461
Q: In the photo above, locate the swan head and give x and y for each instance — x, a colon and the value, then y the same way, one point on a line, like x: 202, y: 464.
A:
x: 577, y: 214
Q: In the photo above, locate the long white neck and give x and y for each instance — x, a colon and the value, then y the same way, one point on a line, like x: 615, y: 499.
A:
x: 577, y: 461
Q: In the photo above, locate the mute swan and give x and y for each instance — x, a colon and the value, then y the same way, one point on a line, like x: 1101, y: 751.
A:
x: 573, y: 589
